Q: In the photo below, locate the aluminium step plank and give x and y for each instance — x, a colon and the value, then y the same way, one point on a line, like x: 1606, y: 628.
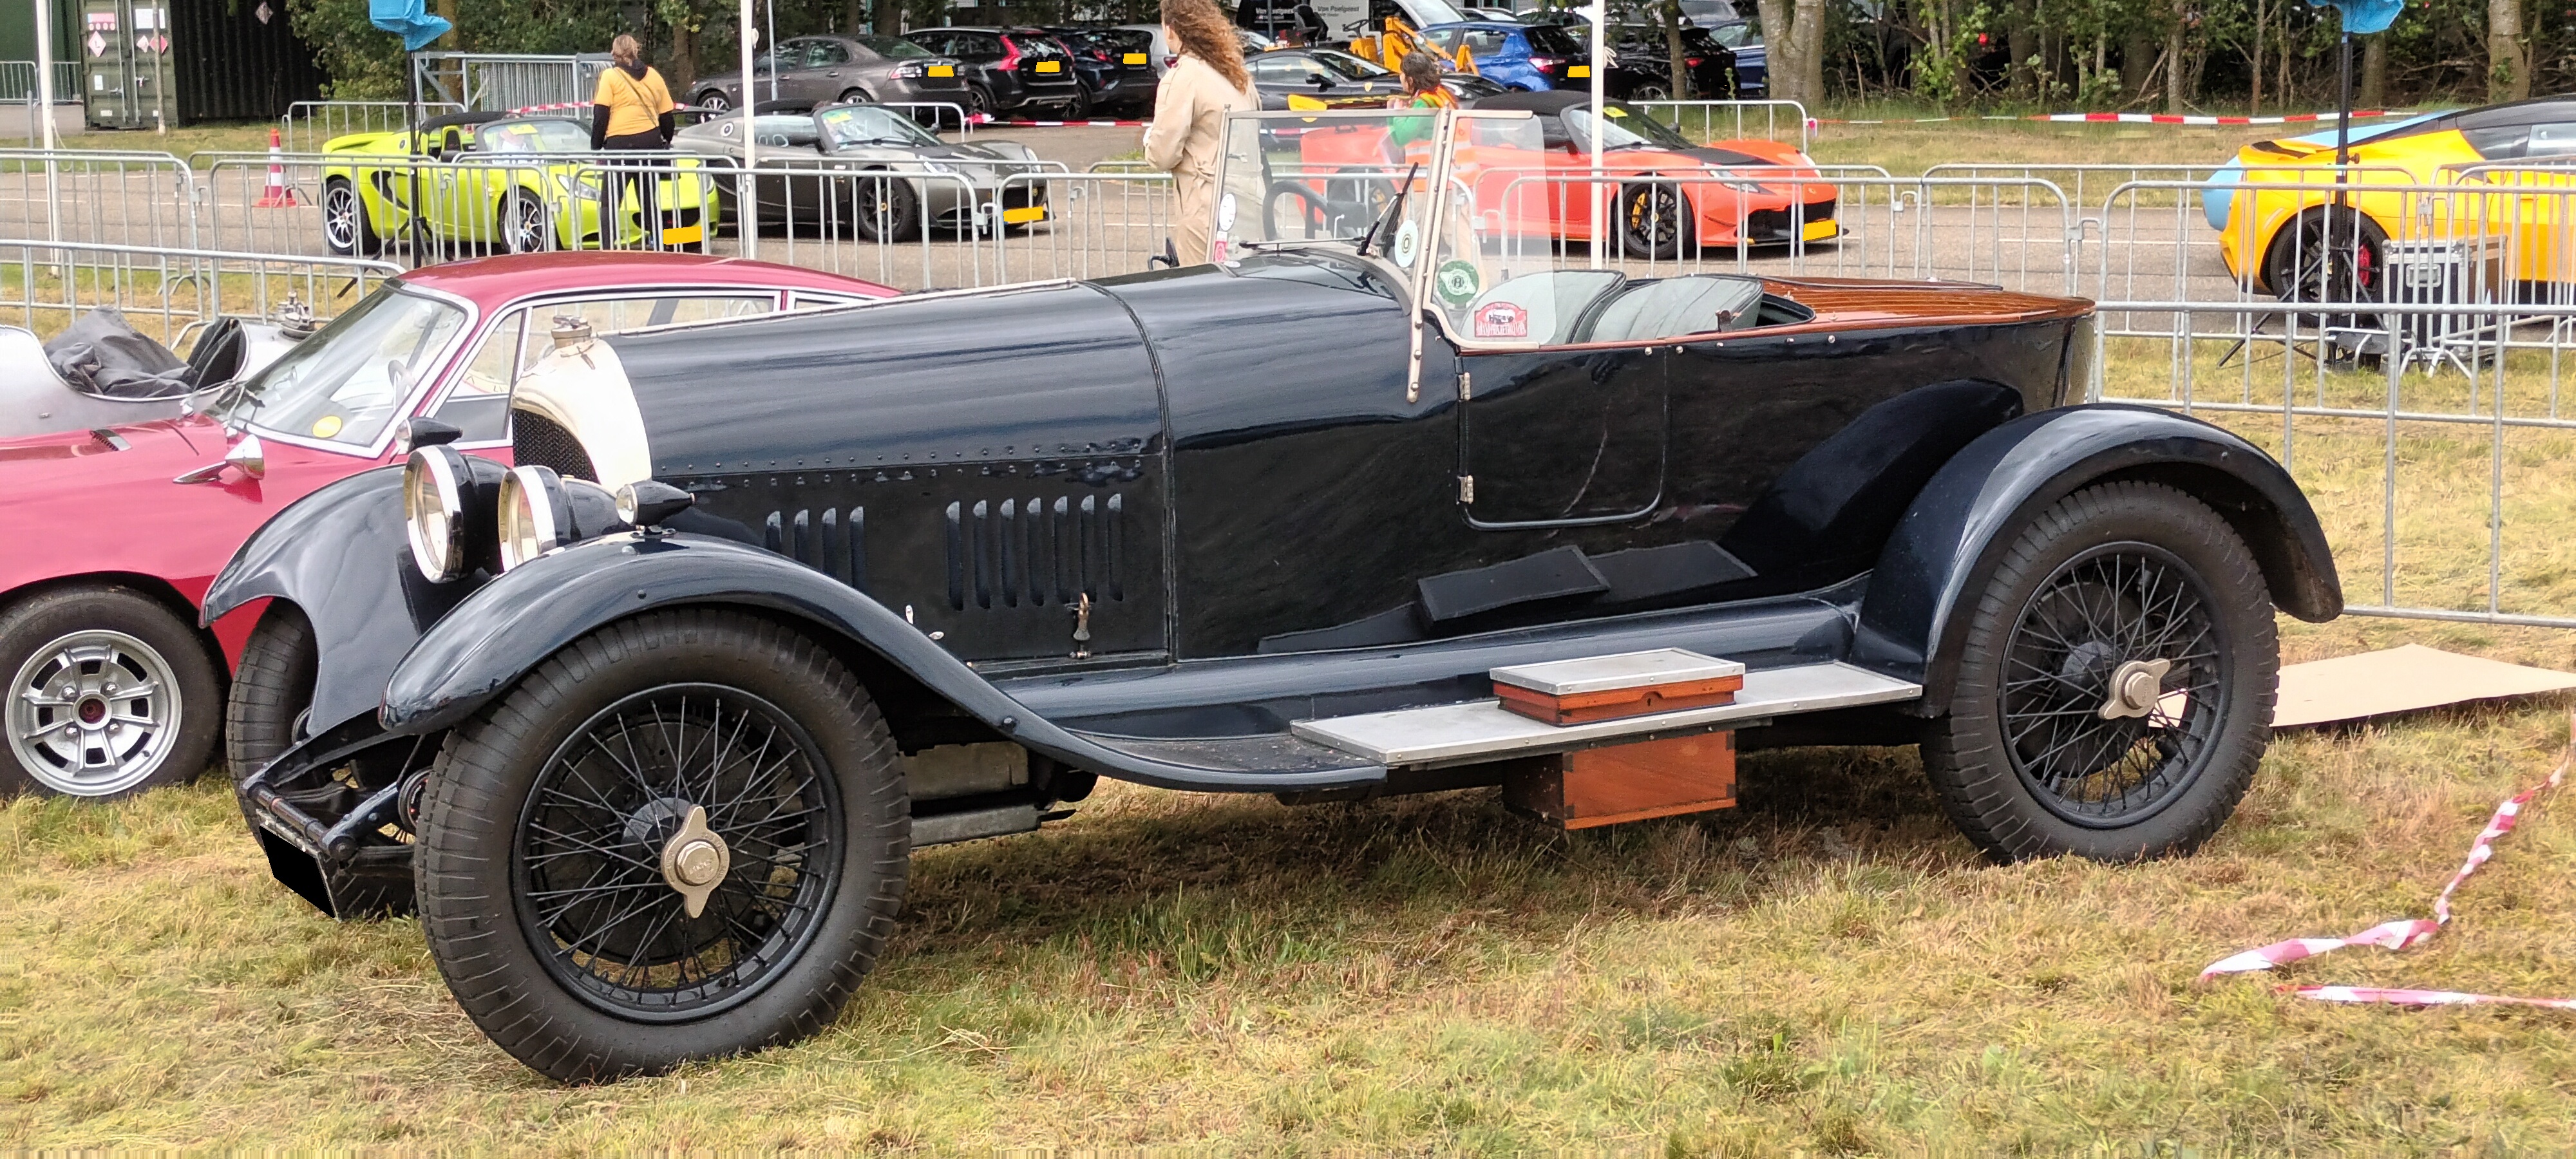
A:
x: 1481, y: 729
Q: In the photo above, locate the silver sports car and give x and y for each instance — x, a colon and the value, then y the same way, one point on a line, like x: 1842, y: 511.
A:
x: 929, y: 183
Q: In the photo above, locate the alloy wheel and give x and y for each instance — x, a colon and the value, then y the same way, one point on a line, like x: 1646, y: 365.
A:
x: 93, y: 713
x: 2111, y: 695
x: 340, y: 210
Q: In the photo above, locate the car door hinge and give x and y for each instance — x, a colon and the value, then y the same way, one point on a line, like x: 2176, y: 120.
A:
x: 1466, y: 488
x: 1466, y: 386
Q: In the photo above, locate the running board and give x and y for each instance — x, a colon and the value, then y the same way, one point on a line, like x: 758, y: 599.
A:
x: 1480, y: 730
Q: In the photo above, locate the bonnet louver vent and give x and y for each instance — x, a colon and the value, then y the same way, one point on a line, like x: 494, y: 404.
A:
x: 834, y: 542
x: 1035, y: 551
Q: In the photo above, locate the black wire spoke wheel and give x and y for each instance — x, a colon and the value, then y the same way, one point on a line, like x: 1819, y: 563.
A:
x: 2113, y: 684
x: 682, y: 836
x: 2110, y: 694
x: 605, y: 845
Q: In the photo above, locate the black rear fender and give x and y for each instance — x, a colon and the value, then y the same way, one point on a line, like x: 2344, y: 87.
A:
x: 496, y: 636
x: 1913, y: 619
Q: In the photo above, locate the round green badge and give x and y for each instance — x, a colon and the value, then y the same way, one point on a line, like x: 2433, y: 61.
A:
x: 1457, y: 281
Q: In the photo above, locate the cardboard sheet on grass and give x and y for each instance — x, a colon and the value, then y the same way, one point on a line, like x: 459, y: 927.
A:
x: 2404, y: 679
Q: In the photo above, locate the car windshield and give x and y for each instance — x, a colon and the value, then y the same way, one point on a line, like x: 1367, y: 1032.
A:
x: 892, y: 47
x: 346, y: 383
x: 1346, y: 66
x: 546, y: 136
x: 1629, y: 129
x: 870, y: 125
x: 1436, y: 12
x: 1737, y: 34
x: 1553, y: 40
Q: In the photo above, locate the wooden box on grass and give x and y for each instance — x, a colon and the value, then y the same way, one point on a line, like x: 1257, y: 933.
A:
x: 1630, y: 782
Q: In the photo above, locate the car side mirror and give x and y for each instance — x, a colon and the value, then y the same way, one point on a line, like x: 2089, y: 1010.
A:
x: 1319, y: 80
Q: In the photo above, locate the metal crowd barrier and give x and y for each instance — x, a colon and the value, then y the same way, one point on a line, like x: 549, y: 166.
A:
x: 170, y: 292
x: 1707, y: 116
x: 309, y: 125
x: 502, y: 81
x: 101, y: 196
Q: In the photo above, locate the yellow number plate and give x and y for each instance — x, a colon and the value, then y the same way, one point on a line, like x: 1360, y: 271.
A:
x: 1024, y: 215
x: 1133, y: 58
x: 1818, y: 231
x: 943, y: 70
x: 675, y: 234
x: 1578, y: 71
x: 1050, y: 66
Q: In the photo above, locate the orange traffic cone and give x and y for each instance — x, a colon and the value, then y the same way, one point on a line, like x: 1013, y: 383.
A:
x: 278, y: 195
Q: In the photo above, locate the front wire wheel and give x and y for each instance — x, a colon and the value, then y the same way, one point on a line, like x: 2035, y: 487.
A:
x: 684, y: 836
x: 2115, y: 683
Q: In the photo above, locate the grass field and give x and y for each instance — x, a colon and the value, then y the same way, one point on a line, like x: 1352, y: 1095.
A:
x: 1827, y: 968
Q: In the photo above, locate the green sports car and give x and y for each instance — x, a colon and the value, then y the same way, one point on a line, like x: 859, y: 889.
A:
x: 514, y: 181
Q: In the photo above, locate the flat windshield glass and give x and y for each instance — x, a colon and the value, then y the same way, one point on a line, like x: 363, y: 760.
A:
x: 548, y: 136
x: 1348, y: 67
x: 847, y: 125
x: 346, y: 383
x: 1629, y: 129
x: 1326, y: 178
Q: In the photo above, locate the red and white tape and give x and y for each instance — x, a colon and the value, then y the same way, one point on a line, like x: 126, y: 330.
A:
x: 986, y: 120
x: 2143, y: 118
x: 2403, y: 935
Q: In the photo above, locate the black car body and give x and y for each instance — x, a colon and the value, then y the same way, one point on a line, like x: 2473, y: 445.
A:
x: 822, y: 70
x: 1116, y: 66
x: 1645, y: 68
x: 1008, y: 69
x: 1341, y: 80
x: 1137, y: 528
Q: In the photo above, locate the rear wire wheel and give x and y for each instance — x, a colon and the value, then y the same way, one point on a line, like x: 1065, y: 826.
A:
x: 2115, y: 683
x: 691, y: 749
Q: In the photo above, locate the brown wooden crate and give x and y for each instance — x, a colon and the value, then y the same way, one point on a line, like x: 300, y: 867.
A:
x: 1616, y: 703
x: 1630, y: 782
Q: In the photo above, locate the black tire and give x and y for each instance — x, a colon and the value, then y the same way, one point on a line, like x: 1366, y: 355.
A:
x: 2118, y: 573
x: 1654, y: 221
x: 884, y: 209
x: 520, y: 221
x: 346, y: 231
x: 272, y: 688
x: 81, y: 652
x: 1651, y: 90
x: 979, y: 101
x: 485, y: 861
x: 2327, y: 255
x: 1079, y: 108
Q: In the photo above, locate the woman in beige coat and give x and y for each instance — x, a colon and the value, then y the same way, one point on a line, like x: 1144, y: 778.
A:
x: 1189, y: 116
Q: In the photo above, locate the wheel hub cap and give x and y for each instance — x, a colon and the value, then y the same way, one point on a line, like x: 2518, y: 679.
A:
x: 92, y: 713
x: 2135, y: 688
x: 694, y: 860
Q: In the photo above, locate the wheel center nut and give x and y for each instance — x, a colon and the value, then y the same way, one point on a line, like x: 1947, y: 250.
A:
x: 2136, y: 686
x: 694, y: 861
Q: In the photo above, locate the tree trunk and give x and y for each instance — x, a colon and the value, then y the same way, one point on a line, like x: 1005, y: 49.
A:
x: 1672, y: 21
x: 2374, y: 71
x: 2508, y: 67
x: 684, y: 55
x: 2254, y: 88
x: 2137, y: 54
x: 1809, y: 27
x: 1796, y: 31
x: 2174, y: 78
x: 2022, y: 41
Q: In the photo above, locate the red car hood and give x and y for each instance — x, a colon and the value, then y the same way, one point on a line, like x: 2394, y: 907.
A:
x: 58, y: 463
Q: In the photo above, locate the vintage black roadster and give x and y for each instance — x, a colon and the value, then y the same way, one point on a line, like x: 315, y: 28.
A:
x: 647, y: 725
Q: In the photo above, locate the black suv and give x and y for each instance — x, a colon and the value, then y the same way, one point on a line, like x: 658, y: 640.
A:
x: 1008, y: 69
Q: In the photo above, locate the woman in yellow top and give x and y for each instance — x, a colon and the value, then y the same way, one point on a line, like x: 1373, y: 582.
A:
x: 631, y: 111
x: 1189, y: 116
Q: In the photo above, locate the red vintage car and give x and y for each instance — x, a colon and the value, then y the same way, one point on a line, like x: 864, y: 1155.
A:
x: 1673, y: 198
x: 114, y: 533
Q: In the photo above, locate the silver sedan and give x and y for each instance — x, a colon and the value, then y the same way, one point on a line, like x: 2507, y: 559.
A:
x: 929, y: 184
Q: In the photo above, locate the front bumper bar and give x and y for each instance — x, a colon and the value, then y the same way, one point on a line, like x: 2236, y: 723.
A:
x: 330, y: 814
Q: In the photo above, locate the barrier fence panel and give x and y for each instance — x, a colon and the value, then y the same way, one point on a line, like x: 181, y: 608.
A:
x: 309, y: 125
x: 1784, y: 121
x: 18, y: 81
x: 1082, y: 225
x: 168, y: 293
x: 81, y: 195
x: 495, y: 82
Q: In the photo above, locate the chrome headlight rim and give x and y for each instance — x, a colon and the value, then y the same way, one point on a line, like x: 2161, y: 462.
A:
x: 535, y: 514
x: 434, y: 512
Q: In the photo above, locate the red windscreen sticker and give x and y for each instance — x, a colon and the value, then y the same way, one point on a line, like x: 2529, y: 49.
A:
x: 1502, y: 320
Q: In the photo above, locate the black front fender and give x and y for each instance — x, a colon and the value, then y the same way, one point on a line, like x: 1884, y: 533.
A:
x: 512, y: 624
x: 341, y: 556
x: 1912, y: 621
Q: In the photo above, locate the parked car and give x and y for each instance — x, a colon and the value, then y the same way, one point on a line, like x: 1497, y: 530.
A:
x: 134, y: 379
x: 1743, y: 38
x: 822, y: 70
x: 117, y: 531
x: 1008, y: 69
x: 2299, y: 237
x: 1341, y: 80
x: 857, y: 138
x: 653, y: 720
x: 1160, y: 48
x: 518, y: 182
x: 1646, y: 62
x: 1116, y: 66
x: 1531, y: 58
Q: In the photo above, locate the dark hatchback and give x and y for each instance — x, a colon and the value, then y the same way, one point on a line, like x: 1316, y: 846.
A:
x: 1008, y: 69
x: 1116, y: 66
